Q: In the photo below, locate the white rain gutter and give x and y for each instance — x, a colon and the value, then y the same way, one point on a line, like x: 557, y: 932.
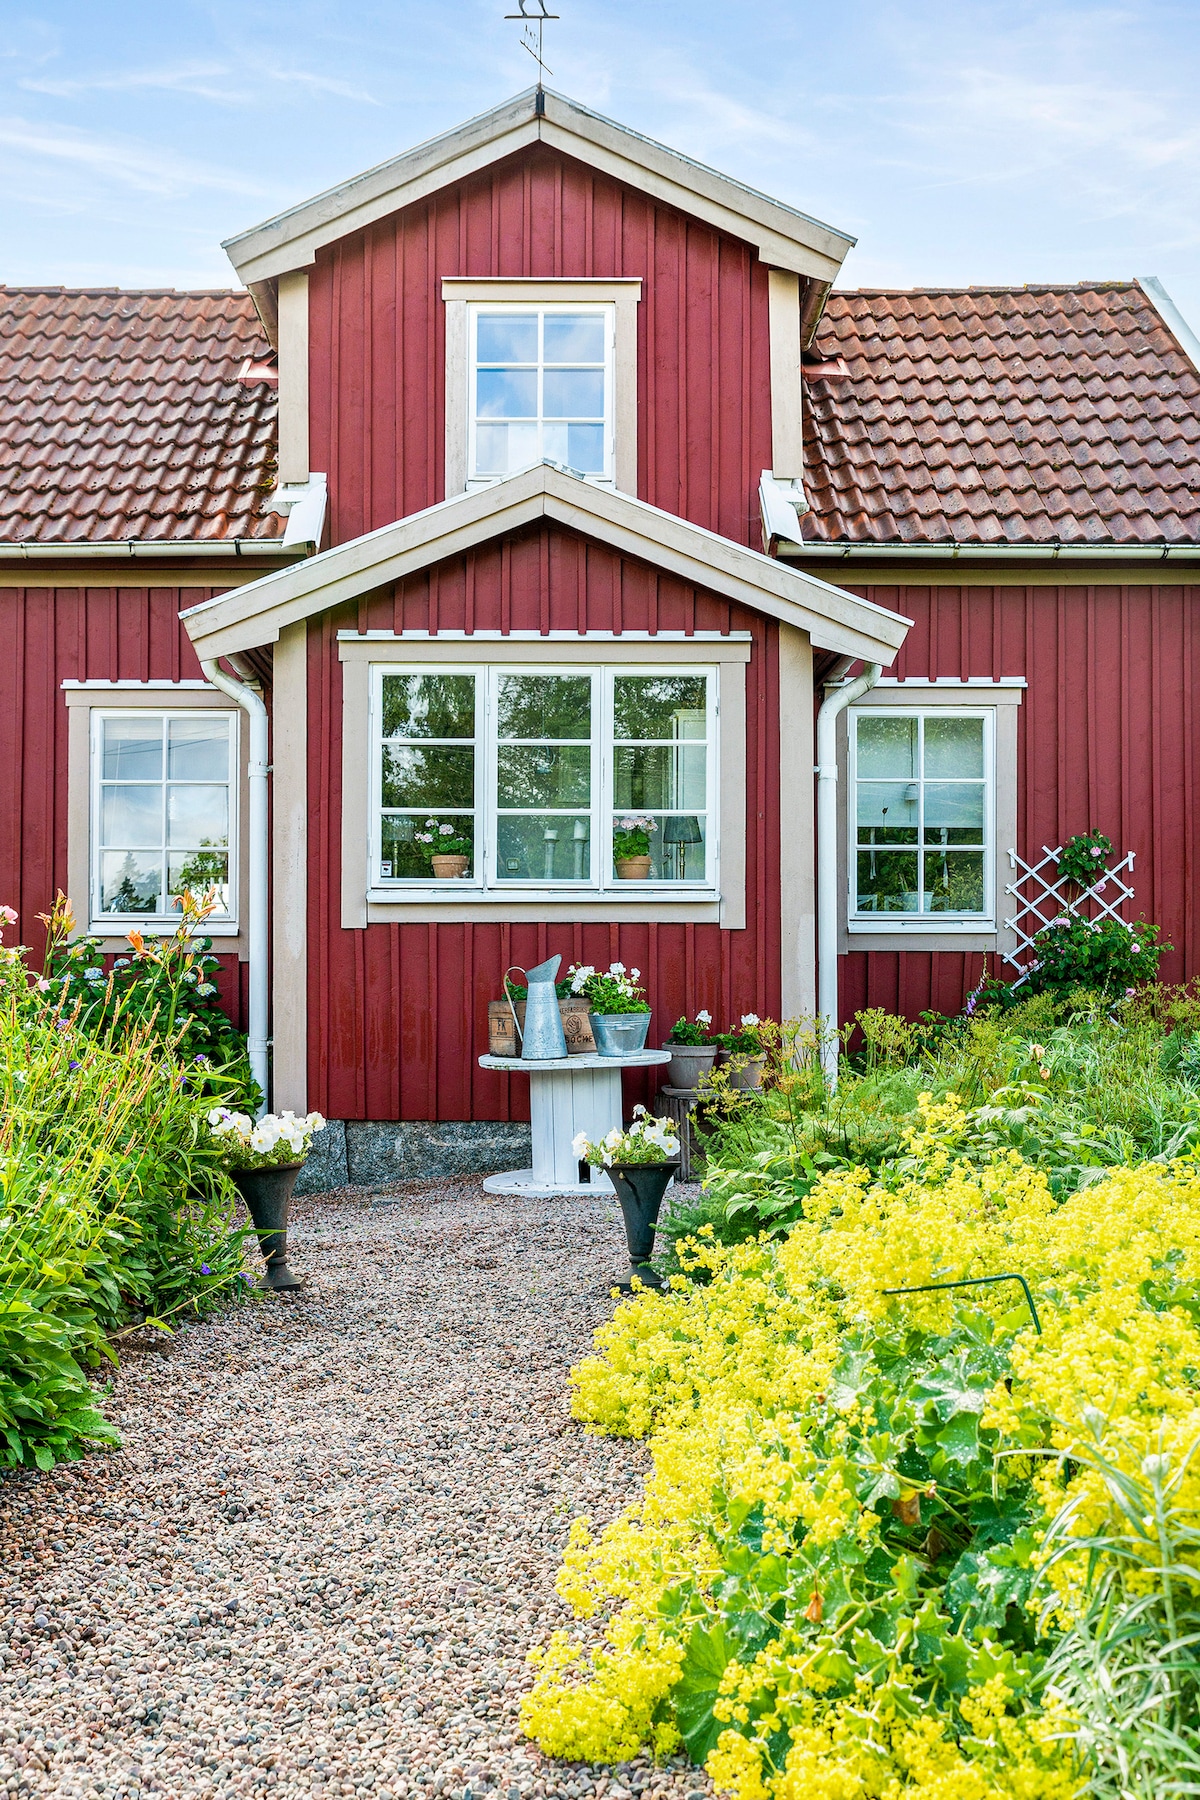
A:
x: 155, y: 550
x: 837, y: 699
x: 248, y: 696
x: 1002, y: 553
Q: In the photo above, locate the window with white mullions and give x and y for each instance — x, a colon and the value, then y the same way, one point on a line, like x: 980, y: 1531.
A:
x: 541, y: 386
x: 163, y: 804
x: 922, y: 814
x: 587, y: 778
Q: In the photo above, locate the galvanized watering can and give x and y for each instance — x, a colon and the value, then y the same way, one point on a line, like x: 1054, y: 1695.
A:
x: 542, y: 1039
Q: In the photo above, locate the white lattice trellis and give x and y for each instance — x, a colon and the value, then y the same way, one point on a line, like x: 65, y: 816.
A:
x: 1047, y: 901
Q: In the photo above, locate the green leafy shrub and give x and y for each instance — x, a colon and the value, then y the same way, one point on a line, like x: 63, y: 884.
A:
x: 873, y: 1516
x: 114, y: 1209
x: 165, y: 985
x: 1104, y: 955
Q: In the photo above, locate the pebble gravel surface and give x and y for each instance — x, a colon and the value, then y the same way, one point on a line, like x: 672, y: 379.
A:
x: 319, y: 1560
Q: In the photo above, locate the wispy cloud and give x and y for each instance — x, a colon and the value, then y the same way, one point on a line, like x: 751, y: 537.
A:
x: 205, y: 81
x: 208, y: 81
x: 127, y: 163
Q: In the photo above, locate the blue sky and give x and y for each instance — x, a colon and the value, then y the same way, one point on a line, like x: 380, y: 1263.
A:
x: 961, y: 142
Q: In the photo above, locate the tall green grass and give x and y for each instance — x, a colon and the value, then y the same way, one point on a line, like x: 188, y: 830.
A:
x: 114, y: 1208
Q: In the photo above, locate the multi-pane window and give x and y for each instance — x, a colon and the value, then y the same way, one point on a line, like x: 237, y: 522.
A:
x: 541, y: 386
x: 585, y: 778
x: 163, y: 805
x: 921, y: 814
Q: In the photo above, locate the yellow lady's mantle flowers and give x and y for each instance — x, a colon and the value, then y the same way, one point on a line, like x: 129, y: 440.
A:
x: 830, y: 1587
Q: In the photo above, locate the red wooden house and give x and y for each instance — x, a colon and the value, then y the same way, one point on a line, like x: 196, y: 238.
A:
x: 541, y: 477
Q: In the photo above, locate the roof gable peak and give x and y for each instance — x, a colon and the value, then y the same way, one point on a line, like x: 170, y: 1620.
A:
x: 783, y: 236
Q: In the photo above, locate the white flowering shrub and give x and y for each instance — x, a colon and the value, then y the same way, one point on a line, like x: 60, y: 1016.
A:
x: 267, y: 1143
x: 647, y: 1140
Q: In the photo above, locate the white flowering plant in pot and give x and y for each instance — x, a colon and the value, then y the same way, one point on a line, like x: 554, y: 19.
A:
x: 648, y: 1140
x: 609, y: 991
x: 277, y: 1140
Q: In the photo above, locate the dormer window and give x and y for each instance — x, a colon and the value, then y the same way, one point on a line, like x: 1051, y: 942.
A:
x: 541, y: 386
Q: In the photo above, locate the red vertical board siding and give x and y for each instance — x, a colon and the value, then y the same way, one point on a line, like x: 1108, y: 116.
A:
x: 1107, y: 741
x: 398, y: 1013
x: 377, y: 339
x: 52, y: 635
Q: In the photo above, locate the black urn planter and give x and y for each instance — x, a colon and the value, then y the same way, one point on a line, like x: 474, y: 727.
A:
x: 640, y: 1188
x: 268, y: 1195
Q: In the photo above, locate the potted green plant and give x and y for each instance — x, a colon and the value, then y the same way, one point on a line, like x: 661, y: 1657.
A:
x: 693, y: 1051
x: 264, y: 1157
x: 619, y: 1014
x: 445, y: 849
x: 631, y: 845
x: 745, y: 1051
x: 641, y: 1163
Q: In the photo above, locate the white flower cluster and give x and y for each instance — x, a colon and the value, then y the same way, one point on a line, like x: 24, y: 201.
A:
x: 626, y: 979
x: 659, y: 1136
x: 704, y: 1017
x: 279, y: 1136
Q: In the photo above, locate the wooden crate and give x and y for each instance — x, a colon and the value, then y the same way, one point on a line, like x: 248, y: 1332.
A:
x: 679, y: 1104
x: 503, y: 1040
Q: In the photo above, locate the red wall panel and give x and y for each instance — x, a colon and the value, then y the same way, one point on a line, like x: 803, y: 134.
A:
x: 377, y: 340
x: 52, y: 635
x: 1107, y: 737
x: 398, y: 1013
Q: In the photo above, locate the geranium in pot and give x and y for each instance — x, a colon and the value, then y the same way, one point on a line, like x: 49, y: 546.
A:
x: 693, y: 1051
x: 641, y: 1163
x: 619, y: 1015
x: 445, y: 849
x: 264, y: 1157
x: 745, y: 1050
x: 631, y: 845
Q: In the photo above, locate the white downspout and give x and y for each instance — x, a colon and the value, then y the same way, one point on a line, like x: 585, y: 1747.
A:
x: 836, y: 700
x: 248, y: 695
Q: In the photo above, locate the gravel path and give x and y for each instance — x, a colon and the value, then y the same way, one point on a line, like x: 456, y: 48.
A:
x: 331, y: 1536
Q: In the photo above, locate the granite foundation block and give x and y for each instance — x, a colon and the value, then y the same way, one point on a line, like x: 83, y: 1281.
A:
x: 372, y: 1152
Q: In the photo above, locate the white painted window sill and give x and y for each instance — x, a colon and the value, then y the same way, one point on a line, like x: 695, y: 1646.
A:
x: 897, y: 923
x: 456, y: 892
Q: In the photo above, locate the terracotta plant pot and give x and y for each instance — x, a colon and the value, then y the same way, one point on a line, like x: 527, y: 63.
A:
x: 689, y: 1062
x: 746, y: 1071
x: 268, y: 1195
x: 620, y: 1034
x: 633, y: 868
x: 640, y: 1188
x: 449, y: 868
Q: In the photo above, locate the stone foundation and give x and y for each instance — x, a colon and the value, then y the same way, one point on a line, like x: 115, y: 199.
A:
x: 370, y: 1152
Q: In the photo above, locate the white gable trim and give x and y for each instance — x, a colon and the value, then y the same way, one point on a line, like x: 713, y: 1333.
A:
x: 783, y: 237
x: 257, y: 613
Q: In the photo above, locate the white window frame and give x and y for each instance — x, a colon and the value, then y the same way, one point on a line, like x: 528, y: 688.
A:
x: 81, y: 698
x: 485, y: 880
x: 522, y: 292
x: 605, y: 309
x: 224, y: 924
x: 998, y: 701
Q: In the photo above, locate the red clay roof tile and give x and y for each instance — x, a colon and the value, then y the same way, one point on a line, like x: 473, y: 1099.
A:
x: 121, y: 416
x: 1028, y: 415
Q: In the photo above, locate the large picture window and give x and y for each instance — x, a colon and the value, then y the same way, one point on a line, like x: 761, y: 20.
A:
x: 541, y: 385
x: 571, y: 778
x: 163, y: 806
x: 922, y: 815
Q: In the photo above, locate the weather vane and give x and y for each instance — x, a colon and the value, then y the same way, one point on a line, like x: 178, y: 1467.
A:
x: 531, y: 13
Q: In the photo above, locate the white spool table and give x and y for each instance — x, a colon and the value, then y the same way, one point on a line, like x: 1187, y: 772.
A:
x: 566, y: 1096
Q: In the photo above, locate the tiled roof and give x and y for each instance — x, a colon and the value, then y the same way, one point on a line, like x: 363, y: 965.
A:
x: 1002, y: 415
x: 121, y: 416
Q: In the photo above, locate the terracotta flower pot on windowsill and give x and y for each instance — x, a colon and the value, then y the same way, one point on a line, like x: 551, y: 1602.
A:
x: 449, y: 868
x: 633, y: 868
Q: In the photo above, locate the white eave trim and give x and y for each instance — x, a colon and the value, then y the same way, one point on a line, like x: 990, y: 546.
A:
x: 257, y: 612
x: 1172, y: 318
x: 784, y: 237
